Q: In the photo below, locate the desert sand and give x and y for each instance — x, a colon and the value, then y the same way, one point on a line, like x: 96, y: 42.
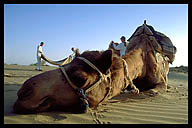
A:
x: 127, y: 108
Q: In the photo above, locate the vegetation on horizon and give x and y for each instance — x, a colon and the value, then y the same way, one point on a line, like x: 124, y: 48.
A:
x: 43, y: 63
x: 181, y: 68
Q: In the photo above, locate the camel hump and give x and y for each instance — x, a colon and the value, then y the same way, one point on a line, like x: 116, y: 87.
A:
x: 160, y: 41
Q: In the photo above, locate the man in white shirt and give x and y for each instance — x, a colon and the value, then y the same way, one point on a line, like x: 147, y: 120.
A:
x: 39, y: 52
x: 75, y: 52
x: 121, y: 46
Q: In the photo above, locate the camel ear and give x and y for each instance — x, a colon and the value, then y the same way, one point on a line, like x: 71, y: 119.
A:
x: 105, y: 61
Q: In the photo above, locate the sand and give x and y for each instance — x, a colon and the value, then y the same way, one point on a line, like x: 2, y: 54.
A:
x: 168, y: 108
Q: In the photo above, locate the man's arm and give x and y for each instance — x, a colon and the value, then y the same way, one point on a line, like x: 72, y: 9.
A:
x: 117, y: 47
x: 39, y: 49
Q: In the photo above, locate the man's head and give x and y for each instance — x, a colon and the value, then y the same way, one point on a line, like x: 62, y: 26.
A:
x: 73, y: 49
x: 42, y: 43
x: 123, y: 39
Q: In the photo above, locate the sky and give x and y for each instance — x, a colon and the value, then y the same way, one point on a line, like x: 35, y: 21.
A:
x: 87, y: 27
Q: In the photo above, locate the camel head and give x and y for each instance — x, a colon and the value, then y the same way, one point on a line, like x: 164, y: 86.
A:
x: 51, y: 89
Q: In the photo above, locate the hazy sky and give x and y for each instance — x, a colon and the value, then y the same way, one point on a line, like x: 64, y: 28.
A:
x: 87, y: 27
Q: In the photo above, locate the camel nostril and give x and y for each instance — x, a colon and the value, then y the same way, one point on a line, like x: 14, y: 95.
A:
x: 20, y: 109
x: 26, y: 91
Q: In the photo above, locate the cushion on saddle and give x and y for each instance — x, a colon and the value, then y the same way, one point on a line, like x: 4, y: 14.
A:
x: 160, y: 41
x: 166, y: 44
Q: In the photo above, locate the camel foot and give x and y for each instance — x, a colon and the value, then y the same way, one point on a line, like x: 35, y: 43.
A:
x: 135, y: 91
x: 151, y: 92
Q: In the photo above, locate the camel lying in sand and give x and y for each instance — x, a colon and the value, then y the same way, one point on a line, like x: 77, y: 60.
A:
x: 92, y: 78
x: 160, y: 52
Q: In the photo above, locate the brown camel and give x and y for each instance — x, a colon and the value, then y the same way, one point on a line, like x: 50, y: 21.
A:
x: 159, y: 53
x: 92, y: 78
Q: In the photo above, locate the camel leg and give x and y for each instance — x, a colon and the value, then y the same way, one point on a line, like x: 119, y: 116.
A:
x: 159, y: 89
x: 158, y: 77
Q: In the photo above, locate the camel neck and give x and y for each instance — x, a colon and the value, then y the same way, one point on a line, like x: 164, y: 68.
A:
x: 135, y: 63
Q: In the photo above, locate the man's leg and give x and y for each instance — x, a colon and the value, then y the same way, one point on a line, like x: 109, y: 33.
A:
x: 38, y: 63
x: 37, y: 66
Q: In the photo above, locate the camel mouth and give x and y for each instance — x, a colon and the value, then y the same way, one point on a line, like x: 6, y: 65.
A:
x: 45, y: 103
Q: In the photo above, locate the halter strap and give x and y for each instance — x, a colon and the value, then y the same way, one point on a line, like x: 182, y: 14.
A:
x: 102, y: 76
x: 81, y: 92
x: 90, y: 64
x: 66, y: 76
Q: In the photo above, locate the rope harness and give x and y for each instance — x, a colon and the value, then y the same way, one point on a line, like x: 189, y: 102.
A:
x: 136, y: 90
x: 81, y: 91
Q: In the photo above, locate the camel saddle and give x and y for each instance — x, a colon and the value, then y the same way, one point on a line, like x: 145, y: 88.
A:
x: 160, y: 42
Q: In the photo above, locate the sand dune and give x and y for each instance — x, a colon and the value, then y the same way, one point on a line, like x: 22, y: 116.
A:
x: 169, y: 108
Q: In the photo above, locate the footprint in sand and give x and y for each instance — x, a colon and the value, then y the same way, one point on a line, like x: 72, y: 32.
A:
x: 98, y: 115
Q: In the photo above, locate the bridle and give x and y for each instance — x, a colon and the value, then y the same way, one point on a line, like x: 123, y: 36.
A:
x: 82, y: 91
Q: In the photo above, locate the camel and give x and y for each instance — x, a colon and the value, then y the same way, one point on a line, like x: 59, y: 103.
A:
x: 94, y: 77
x: 162, y: 53
x: 63, y: 61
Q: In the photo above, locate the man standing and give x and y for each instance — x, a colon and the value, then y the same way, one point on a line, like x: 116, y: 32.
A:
x: 39, y: 53
x: 121, y: 46
x: 75, y: 53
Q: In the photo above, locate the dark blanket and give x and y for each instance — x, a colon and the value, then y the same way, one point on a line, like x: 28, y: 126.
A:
x: 167, y: 47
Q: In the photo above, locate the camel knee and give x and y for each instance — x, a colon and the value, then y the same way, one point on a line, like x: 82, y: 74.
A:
x: 135, y: 89
x: 155, y: 68
x: 161, y: 87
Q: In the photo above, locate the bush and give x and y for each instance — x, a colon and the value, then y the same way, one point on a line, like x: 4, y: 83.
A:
x: 33, y: 64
